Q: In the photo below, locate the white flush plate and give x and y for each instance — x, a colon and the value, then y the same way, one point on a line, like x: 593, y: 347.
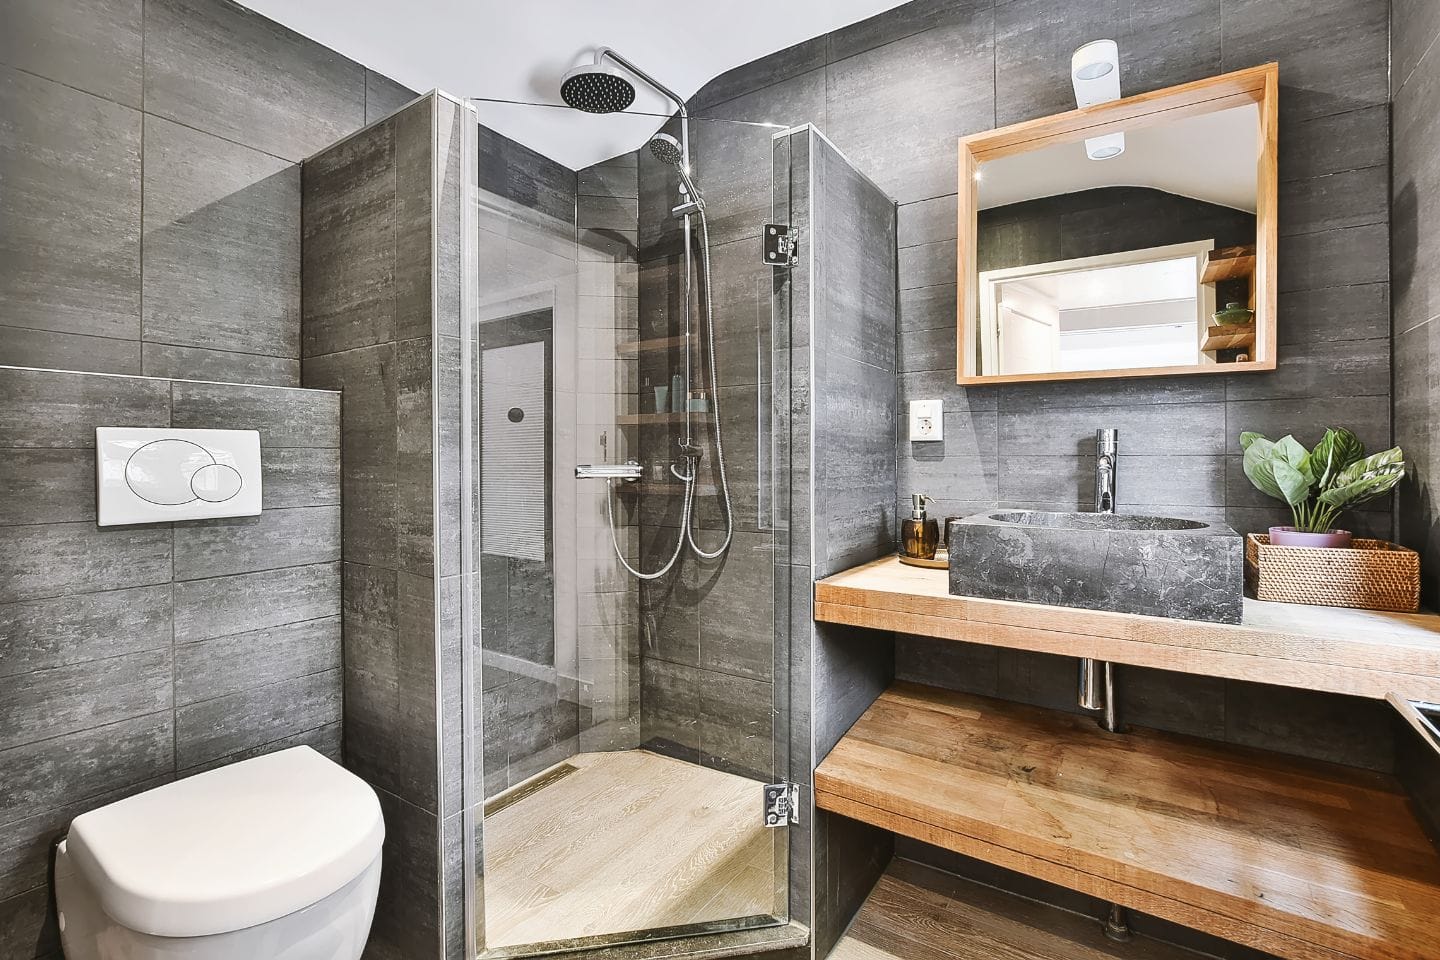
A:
x: 153, y: 475
x: 927, y: 420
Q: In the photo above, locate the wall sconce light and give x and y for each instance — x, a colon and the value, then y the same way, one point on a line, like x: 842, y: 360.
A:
x: 1095, y: 75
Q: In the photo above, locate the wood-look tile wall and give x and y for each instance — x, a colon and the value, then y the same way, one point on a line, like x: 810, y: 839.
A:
x: 133, y: 655
x: 150, y: 221
x: 1415, y: 239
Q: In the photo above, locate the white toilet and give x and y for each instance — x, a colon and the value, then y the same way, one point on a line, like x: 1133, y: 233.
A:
x: 276, y: 857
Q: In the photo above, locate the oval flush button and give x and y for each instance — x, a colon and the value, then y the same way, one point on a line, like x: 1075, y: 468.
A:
x: 161, y: 471
x: 216, y: 482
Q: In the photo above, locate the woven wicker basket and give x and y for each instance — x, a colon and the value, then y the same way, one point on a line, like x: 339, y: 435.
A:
x: 1369, y: 575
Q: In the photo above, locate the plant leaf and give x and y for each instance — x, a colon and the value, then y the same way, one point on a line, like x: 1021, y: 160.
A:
x: 1260, y: 468
x: 1366, y: 479
x: 1294, y: 483
x: 1248, y: 437
x: 1293, y: 453
x: 1336, y: 450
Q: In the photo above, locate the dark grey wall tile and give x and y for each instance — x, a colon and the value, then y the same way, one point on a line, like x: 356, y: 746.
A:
x: 300, y: 476
x: 1360, y: 312
x: 231, y: 214
x: 61, y: 700
x: 1197, y: 428
x: 1333, y: 54
x: 928, y: 221
x: 285, y: 418
x: 1341, y: 368
x: 62, y: 409
x: 197, y: 363
x: 253, y: 601
x: 93, y: 45
x: 897, y: 110
x: 41, y: 634
x: 899, y: 22
x: 617, y: 177
x: 238, y: 721
x: 671, y: 696
x: 519, y: 174
x: 28, y: 926
x: 68, y: 351
x: 737, y: 724
x: 1416, y: 197
x: 967, y: 667
x: 1368, y: 417
x: 223, y: 69
x: 737, y: 633
x: 1414, y: 27
x: 70, y: 247
x: 770, y: 69
x: 221, y: 666
x: 325, y: 740
x: 1334, y: 143
x: 384, y: 96
x: 97, y: 759
x: 1178, y: 702
x: 55, y: 559
x: 1352, y: 198
x: 349, y: 241
x: 1326, y: 726
x: 296, y: 536
x: 46, y: 485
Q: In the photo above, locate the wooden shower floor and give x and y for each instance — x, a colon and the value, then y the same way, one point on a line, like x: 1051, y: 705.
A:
x: 629, y: 840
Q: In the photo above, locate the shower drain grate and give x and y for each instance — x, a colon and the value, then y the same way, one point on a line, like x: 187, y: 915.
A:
x: 528, y: 788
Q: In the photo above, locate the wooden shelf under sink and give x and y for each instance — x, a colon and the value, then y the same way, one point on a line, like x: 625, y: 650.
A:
x: 1301, y: 859
x: 1362, y: 653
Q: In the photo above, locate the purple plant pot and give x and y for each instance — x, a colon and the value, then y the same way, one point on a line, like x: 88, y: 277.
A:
x: 1290, y: 537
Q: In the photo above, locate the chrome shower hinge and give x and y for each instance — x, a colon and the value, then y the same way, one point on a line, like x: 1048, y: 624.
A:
x: 782, y: 804
x: 779, y: 244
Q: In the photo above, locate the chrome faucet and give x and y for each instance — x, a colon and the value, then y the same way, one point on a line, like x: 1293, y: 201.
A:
x: 1107, y: 445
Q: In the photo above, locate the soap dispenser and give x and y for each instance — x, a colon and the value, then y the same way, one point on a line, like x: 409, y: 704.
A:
x: 920, y: 535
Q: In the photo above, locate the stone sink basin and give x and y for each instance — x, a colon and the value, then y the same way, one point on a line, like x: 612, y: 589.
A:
x: 1126, y: 563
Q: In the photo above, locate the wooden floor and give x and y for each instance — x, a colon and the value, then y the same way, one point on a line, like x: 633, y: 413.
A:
x: 1296, y: 858
x: 628, y: 841
x: 916, y: 913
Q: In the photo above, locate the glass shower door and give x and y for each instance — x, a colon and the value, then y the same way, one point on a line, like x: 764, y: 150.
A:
x: 628, y: 661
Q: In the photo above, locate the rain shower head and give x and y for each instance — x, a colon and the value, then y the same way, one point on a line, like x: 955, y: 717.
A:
x: 597, y: 88
x: 667, y: 149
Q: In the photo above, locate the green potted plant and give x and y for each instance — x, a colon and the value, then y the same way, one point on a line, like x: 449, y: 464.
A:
x: 1319, y: 484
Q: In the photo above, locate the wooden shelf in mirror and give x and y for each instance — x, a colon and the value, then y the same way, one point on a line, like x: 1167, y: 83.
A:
x: 1256, y: 87
x: 633, y: 348
x: 1229, y: 263
x: 1302, y: 859
x: 1229, y: 336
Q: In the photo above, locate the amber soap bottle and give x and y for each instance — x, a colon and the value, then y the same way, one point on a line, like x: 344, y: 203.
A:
x: 919, y: 535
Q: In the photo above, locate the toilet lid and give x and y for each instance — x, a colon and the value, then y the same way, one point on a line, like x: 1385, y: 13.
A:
x: 229, y: 848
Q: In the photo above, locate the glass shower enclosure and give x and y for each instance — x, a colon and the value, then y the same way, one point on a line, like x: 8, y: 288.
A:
x: 625, y: 543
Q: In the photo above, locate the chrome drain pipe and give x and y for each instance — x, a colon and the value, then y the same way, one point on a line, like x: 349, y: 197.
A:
x: 1097, y: 691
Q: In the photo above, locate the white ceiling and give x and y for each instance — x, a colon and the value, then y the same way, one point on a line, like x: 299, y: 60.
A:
x: 1210, y: 157
x: 518, y: 50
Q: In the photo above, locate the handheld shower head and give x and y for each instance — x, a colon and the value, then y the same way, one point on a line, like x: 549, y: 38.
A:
x: 667, y: 149
x: 597, y: 88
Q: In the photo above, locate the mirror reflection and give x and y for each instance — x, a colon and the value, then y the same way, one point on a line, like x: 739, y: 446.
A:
x: 1132, y: 251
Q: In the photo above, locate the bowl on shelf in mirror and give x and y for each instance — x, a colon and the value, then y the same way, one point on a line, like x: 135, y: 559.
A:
x: 1234, y: 313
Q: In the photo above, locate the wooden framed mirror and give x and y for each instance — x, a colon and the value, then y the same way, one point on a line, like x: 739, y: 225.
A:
x: 1078, y: 260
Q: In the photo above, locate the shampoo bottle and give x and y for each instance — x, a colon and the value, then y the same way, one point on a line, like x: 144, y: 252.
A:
x: 920, y: 535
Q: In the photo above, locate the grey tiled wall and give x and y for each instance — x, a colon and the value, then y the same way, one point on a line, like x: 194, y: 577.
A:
x: 150, y: 222
x: 1415, y: 89
x: 133, y: 655
x: 895, y: 91
x: 380, y: 322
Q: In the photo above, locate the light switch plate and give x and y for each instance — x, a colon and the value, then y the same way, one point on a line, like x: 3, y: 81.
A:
x: 155, y: 475
x: 927, y: 420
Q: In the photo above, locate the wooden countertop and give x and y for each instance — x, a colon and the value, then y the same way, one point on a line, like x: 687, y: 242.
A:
x: 1358, y: 652
x: 1302, y: 859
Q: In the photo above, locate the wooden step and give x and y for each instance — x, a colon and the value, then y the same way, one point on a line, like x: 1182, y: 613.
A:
x: 1301, y: 859
x: 916, y: 913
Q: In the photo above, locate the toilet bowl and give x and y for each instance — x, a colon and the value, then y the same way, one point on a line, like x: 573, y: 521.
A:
x: 276, y: 858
